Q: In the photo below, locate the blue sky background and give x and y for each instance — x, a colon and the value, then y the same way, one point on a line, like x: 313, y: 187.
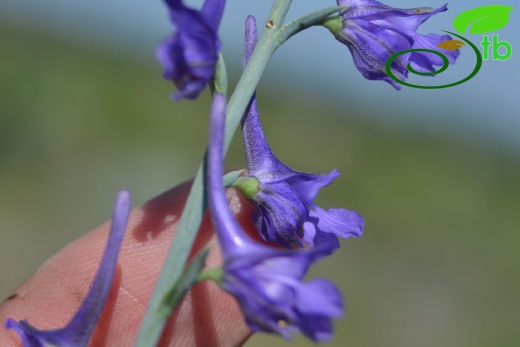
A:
x: 483, y: 109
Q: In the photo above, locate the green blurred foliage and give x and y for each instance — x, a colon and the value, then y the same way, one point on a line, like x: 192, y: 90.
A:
x: 437, y: 266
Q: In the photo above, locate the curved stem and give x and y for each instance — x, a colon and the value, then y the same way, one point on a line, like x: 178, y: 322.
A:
x: 156, y: 314
x: 305, y: 22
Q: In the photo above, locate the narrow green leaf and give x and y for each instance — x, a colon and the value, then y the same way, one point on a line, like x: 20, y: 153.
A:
x: 482, y: 20
x: 188, y: 278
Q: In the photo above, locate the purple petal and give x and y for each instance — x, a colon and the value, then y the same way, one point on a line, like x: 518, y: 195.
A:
x: 190, y: 55
x: 384, y: 15
x: 317, y: 328
x: 282, y: 212
x: 260, y: 158
x: 407, y: 20
x: 424, y: 62
x: 271, y: 291
x: 316, y: 238
x: 308, y: 186
x: 371, y: 46
x: 339, y: 221
x: 212, y: 11
x: 218, y: 201
x: 327, y: 299
x: 251, y: 37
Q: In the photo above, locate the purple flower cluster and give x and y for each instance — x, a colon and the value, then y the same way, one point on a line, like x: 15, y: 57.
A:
x: 190, y: 55
x: 284, y: 209
x: 267, y: 281
x: 374, y: 32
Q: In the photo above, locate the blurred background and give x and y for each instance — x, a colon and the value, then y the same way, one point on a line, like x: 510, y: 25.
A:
x: 435, y: 173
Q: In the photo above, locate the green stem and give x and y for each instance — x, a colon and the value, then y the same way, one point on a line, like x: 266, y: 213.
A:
x: 156, y: 316
x: 320, y: 17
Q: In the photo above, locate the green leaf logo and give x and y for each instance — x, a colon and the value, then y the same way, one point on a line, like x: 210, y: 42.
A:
x: 482, y: 19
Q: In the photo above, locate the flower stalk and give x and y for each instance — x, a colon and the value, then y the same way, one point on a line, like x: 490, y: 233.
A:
x: 153, y: 321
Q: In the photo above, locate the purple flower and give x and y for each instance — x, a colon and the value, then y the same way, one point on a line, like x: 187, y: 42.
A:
x: 373, y: 32
x: 267, y: 282
x: 190, y: 55
x: 282, y: 197
x: 284, y: 209
x: 78, y: 331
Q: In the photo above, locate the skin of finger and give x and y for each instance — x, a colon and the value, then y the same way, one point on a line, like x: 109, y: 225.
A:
x: 207, y: 316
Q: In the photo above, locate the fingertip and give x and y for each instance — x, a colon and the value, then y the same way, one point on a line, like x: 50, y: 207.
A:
x: 50, y: 297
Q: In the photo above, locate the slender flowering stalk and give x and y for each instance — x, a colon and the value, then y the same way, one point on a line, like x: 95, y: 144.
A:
x: 282, y: 197
x: 373, y: 32
x: 190, y: 55
x: 154, y: 319
x: 79, y: 330
x: 266, y: 282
